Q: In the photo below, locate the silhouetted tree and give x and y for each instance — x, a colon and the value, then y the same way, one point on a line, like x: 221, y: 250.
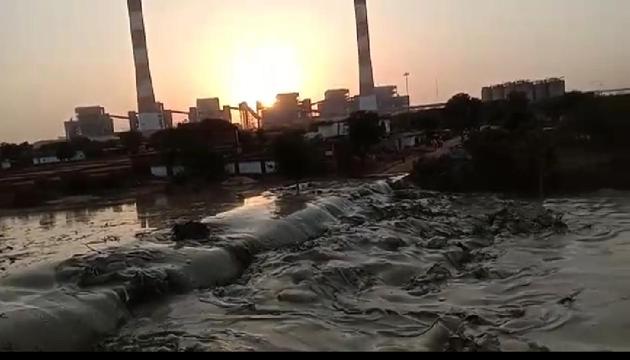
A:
x: 365, y: 132
x: 192, y: 148
x: 65, y: 151
x: 519, y: 114
x: 294, y: 156
x: 91, y: 149
x: 18, y: 154
x: 169, y: 143
x: 131, y: 141
x: 463, y: 113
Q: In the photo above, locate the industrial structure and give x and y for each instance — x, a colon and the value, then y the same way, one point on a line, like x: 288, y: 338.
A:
x: 367, y: 98
x: 288, y: 111
x: 91, y: 122
x: 150, y: 117
x: 538, y: 90
x: 210, y: 108
x: 336, y: 104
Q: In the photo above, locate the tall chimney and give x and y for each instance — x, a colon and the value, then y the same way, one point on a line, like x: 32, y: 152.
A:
x: 144, y: 84
x: 366, y: 73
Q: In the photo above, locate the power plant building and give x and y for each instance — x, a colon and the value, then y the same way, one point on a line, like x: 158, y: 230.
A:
x: 210, y: 108
x: 94, y: 122
x: 388, y: 100
x: 336, y: 104
x: 287, y: 113
x: 539, y: 90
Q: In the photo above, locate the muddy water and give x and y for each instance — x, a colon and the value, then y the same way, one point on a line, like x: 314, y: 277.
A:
x: 83, y: 226
x: 356, y: 266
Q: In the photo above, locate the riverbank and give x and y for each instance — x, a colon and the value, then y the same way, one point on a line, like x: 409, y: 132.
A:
x: 524, y: 163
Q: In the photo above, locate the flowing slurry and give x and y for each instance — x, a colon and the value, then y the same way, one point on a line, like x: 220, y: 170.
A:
x: 367, y: 266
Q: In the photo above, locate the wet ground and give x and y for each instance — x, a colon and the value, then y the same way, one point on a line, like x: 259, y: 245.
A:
x: 72, y: 227
x: 357, y: 266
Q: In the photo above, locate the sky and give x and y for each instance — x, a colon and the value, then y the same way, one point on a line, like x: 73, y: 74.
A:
x: 56, y: 55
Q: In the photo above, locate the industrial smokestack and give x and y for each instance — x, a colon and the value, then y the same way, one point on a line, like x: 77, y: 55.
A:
x: 366, y: 73
x: 144, y: 84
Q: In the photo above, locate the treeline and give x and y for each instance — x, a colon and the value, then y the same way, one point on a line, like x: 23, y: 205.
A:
x: 21, y: 155
x: 570, y: 143
x: 299, y: 158
x: 196, y: 149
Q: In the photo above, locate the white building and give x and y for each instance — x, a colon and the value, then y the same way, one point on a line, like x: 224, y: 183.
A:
x: 150, y: 122
x: 53, y: 159
x: 5, y: 165
x: 251, y: 167
x: 340, y: 127
x: 161, y: 171
x: 534, y: 90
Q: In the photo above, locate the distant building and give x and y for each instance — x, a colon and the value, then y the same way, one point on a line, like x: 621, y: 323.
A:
x: 333, y: 129
x: 287, y: 113
x: 167, y: 116
x: 93, y: 123
x: 340, y: 128
x: 72, y: 129
x: 211, y: 109
x: 149, y: 123
x: 220, y: 136
x: 47, y: 158
x: 133, y: 121
x: 388, y: 99
x: 336, y: 103
x: 534, y: 90
x: 253, y: 165
x: 192, y: 115
x: 556, y: 88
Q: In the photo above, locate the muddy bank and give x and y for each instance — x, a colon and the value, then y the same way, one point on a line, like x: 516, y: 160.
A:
x: 523, y: 163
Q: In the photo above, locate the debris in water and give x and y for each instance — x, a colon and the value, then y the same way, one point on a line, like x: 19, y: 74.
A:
x: 569, y: 300
x: 190, y: 231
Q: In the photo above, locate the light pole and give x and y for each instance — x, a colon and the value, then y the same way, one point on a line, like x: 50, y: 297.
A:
x: 406, y: 75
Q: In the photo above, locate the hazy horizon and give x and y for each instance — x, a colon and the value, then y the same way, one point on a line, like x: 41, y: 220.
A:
x: 56, y: 55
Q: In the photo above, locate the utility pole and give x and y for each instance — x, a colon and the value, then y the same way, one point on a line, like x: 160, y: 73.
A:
x: 406, y: 75
x: 437, y: 90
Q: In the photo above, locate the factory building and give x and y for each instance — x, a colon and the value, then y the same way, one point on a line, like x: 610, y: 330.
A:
x: 538, y: 90
x: 91, y: 122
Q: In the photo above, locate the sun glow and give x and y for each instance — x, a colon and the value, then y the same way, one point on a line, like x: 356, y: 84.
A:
x: 262, y: 71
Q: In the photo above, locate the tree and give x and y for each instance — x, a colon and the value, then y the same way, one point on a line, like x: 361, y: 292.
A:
x: 294, y: 156
x: 365, y: 132
x: 199, y: 160
x: 131, y: 141
x: 169, y: 143
x: 463, y: 113
x: 91, y: 149
x: 65, y: 151
x: 192, y: 147
x: 518, y: 111
x: 18, y: 154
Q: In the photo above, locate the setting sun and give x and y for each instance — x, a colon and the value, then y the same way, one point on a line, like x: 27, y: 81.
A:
x: 261, y: 71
